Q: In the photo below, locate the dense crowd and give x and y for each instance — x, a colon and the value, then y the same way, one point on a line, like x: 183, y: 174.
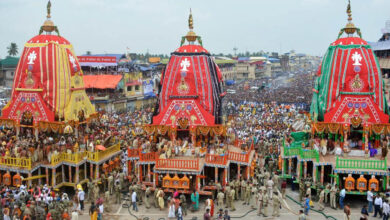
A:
x: 296, y: 90
x: 264, y: 116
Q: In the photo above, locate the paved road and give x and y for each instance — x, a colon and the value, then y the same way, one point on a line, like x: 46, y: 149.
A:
x: 120, y: 213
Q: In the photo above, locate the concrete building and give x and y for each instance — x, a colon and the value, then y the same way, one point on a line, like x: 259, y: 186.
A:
x: 382, y: 51
x: 7, y: 71
x: 244, y: 70
x: 227, y: 67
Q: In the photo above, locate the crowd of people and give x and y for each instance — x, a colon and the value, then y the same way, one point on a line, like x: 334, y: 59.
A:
x: 265, y: 116
x: 296, y: 90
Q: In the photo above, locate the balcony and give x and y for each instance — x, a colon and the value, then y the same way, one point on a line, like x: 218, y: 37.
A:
x: 132, y: 153
x: 16, y: 162
x: 97, y: 156
x: 361, y: 164
x: 74, y: 158
x: 239, y: 157
x: 148, y: 157
x: 177, y: 164
x: 216, y: 159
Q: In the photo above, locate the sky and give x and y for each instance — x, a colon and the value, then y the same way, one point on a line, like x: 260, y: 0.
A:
x: 156, y: 26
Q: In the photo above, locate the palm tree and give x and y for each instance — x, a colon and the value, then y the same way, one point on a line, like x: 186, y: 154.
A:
x: 12, y: 49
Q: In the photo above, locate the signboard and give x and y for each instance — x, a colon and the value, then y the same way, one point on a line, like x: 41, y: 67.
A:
x: 96, y: 59
x: 148, y: 88
x: 154, y: 59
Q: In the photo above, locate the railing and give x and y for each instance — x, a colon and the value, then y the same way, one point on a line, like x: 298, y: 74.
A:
x: 16, y: 162
x: 55, y: 159
x: 132, y: 152
x: 147, y: 157
x: 216, y: 159
x: 302, y: 153
x: 361, y: 164
x: 177, y: 164
x: 239, y: 157
x: 67, y: 157
x: 307, y: 154
x: 97, y: 156
x: 73, y: 158
x: 292, y: 151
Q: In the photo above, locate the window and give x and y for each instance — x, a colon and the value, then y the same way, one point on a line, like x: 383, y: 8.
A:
x: 12, y: 73
x: 129, y: 88
x: 137, y: 87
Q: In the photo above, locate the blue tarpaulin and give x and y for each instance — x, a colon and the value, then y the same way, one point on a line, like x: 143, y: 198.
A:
x: 229, y: 82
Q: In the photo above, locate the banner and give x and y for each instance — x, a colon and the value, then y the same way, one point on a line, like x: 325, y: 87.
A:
x: 148, y: 88
x: 96, y: 59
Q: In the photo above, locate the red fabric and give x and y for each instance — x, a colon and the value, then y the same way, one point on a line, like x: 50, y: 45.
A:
x: 101, y: 81
x: 28, y: 101
x: 191, y: 48
x: 189, y: 88
x: 40, y: 68
x: 183, y: 106
x: 367, y: 107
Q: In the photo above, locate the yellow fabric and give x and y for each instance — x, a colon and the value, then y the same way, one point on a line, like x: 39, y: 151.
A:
x: 94, y: 216
x: 47, y: 43
x: 78, y: 101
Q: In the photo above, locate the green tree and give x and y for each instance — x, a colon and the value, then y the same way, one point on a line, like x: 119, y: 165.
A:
x: 89, y: 53
x: 12, y: 49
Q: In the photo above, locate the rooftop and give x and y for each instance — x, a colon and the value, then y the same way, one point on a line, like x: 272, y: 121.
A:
x: 9, y: 62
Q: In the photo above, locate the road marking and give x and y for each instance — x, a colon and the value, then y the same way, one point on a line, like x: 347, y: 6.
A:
x: 120, y: 207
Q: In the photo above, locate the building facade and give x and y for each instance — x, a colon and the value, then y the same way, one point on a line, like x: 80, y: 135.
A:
x: 7, y: 71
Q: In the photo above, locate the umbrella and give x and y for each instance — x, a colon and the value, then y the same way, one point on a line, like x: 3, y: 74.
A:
x: 100, y: 147
x: 68, y: 129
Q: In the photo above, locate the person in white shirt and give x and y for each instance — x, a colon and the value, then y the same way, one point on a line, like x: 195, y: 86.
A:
x: 342, y: 197
x: 370, y: 199
x: 75, y: 215
x: 81, y: 196
x: 101, y: 208
x: 378, y: 205
x: 386, y: 210
x: 134, y: 201
x: 270, y: 186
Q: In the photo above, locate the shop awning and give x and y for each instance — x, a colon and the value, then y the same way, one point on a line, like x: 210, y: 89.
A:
x: 102, y: 81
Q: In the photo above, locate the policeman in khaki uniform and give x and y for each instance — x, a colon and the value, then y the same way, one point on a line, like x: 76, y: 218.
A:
x: 232, y: 194
x: 248, y: 193
x: 236, y: 188
x: 308, y: 189
x: 276, y: 205
x: 275, y: 178
x: 321, y: 200
x: 227, y: 196
x: 260, y: 201
x: 155, y: 198
x: 90, y: 189
x: 327, y: 191
x: 148, y: 194
x: 301, y: 190
x: 220, y: 197
x: 110, y: 181
x: 107, y: 201
x: 265, y: 203
x: 243, y: 189
x: 333, y: 192
x: 183, y: 201
x: 117, y: 192
x: 253, y: 199
x: 103, y: 178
